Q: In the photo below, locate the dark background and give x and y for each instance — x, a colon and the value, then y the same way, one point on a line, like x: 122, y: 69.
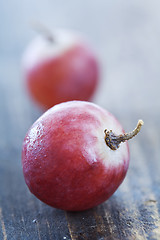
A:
x: 126, y: 37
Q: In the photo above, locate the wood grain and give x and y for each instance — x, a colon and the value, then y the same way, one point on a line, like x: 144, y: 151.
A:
x: 3, y: 226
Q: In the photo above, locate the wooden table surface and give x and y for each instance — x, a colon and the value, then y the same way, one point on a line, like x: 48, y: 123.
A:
x: 129, y: 53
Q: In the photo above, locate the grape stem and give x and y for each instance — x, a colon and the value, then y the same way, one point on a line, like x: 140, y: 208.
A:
x: 43, y: 30
x: 113, y: 141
